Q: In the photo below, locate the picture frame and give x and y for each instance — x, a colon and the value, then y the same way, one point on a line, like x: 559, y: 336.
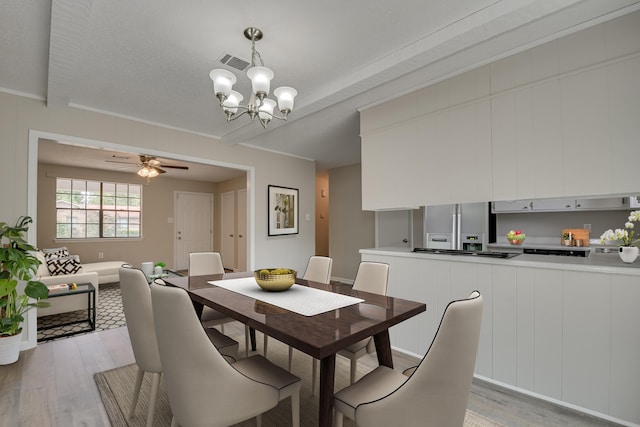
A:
x: 283, y: 210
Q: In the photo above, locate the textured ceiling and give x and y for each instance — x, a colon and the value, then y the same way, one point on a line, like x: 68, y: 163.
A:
x: 150, y: 60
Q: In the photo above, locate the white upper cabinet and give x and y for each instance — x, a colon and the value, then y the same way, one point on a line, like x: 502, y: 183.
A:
x: 556, y: 121
x: 553, y: 205
x: 609, y: 203
x: 511, y: 206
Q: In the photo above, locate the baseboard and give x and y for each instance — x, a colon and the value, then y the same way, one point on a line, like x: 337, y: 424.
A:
x: 554, y: 401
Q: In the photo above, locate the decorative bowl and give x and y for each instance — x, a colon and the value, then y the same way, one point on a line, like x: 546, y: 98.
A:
x: 275, y: 282
x: 516, y: 241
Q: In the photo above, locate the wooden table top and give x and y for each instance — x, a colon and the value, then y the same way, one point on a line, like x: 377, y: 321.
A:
x: 320, y: 335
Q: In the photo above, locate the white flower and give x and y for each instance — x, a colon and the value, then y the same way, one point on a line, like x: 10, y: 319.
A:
x: 622, y: 236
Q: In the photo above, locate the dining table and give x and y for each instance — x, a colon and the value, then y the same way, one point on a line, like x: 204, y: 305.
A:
x: 320, y: 335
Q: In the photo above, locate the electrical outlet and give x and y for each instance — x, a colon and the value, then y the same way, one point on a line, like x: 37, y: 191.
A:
x: 587, y: 226
x: 100, y: 255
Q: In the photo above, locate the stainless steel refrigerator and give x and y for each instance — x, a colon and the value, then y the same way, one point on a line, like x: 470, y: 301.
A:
x: 463, y: 226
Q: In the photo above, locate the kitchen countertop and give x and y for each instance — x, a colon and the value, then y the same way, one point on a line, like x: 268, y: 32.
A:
x: 595, y: 262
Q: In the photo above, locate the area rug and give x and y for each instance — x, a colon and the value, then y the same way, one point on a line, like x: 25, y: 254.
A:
x: 110, y: 315
x: 116, y: 389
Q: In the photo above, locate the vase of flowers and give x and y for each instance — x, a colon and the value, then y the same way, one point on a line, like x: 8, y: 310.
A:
x: 628, y: 250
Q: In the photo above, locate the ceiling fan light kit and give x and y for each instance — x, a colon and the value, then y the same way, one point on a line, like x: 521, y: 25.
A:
x: 258, y: 105
x: 148, y: 172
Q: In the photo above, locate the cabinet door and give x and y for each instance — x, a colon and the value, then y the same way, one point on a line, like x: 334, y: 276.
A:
x: 503, y: 150
x: 625, y: 348
x: 586, y: 342
x: 553, y: 205
x: 547, y: 368
x: 609, y: 203
x: 505, y: 320
x: 403, y: 283
x: 511, y: 206
x: 585, y: 123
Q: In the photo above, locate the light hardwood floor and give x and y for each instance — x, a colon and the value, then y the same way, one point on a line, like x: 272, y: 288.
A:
x: 53, y: 385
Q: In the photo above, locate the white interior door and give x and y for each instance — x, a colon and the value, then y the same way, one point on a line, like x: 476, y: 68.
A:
x: 228, y: 220
x: 193, y: 226
x: 242, y: 230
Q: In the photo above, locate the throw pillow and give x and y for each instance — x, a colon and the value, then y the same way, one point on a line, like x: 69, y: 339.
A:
x: 54, y: 253
x: 64, y: 265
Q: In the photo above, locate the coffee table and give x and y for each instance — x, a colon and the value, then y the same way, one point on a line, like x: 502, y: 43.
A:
x: 82, y: 288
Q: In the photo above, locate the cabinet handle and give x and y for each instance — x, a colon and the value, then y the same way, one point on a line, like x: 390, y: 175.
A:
x: 405, y: 241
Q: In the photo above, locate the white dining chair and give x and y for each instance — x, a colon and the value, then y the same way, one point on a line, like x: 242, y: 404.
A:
x: 203, y: 388
x: 371, y: 277
x: 318, y: 270
x: 136, y: 303
x: 204, y: 263
x: 435, y: 393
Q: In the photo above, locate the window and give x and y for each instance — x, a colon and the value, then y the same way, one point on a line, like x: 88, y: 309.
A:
x: 93, y: 209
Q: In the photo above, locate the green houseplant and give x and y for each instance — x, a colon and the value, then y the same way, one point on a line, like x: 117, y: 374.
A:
x: 17, y: 262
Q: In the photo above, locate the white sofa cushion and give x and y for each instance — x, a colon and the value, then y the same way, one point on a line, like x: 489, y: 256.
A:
x: 108, y: 271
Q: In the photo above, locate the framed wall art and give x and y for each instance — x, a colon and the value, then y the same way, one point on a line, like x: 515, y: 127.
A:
x: 283, y: 210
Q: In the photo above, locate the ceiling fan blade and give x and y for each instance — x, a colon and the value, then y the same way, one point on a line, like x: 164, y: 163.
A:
x: 118, y: 161
x: 176, y: 167
x: 158, y: 169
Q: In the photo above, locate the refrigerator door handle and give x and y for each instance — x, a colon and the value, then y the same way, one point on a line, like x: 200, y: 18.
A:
x: 457, y: 226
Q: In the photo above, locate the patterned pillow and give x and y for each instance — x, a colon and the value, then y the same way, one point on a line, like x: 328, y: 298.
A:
x: 64, y: 265
x: 54, y: 253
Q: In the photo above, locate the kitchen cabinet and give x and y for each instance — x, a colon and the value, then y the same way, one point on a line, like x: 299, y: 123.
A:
x: 608, y: 203
x: 556, y: 331
x: 553, y: 205
x: 511, y: 206
x: 446, y: 157
x: 560, y: 205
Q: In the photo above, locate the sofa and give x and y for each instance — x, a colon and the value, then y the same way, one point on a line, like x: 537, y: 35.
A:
x: 96, y: 273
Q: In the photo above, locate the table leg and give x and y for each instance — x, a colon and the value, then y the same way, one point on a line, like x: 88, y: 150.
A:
x: 327, y: 376
x: 252, y: 337
x: 383, y: 348
x: 198, y: 307
x: 94, y: 310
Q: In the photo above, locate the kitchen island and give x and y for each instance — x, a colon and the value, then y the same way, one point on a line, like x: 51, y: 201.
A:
x: 561, y: 328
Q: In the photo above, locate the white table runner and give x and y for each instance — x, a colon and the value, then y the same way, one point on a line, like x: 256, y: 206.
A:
x: 299, y: 299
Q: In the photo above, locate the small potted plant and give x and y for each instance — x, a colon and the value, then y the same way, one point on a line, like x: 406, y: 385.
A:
x: 17, y: 263
x: 566, y: 239
x: 158, y: 268
x: 628, y: 250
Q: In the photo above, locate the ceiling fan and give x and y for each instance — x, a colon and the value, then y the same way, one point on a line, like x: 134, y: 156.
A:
x: 150, y: 167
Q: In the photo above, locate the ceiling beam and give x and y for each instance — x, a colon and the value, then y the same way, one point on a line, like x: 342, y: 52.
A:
x: 69, y: 23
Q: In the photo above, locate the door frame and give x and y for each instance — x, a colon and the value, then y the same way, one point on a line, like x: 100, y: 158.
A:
x: 29, y: 339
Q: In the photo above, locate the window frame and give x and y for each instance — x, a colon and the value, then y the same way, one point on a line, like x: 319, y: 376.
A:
x: 119, y: 200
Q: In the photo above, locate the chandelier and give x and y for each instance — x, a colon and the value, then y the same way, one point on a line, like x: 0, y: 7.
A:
x: 259, y: 105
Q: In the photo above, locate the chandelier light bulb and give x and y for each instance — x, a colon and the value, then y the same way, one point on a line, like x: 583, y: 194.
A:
x: 230, y: 104
x: 265, y: 112
x: 223, y: 81
x: 285, y: 97
x: 260, y: 80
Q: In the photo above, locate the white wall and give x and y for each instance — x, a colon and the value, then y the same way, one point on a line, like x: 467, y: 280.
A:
x: 20, y: 115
